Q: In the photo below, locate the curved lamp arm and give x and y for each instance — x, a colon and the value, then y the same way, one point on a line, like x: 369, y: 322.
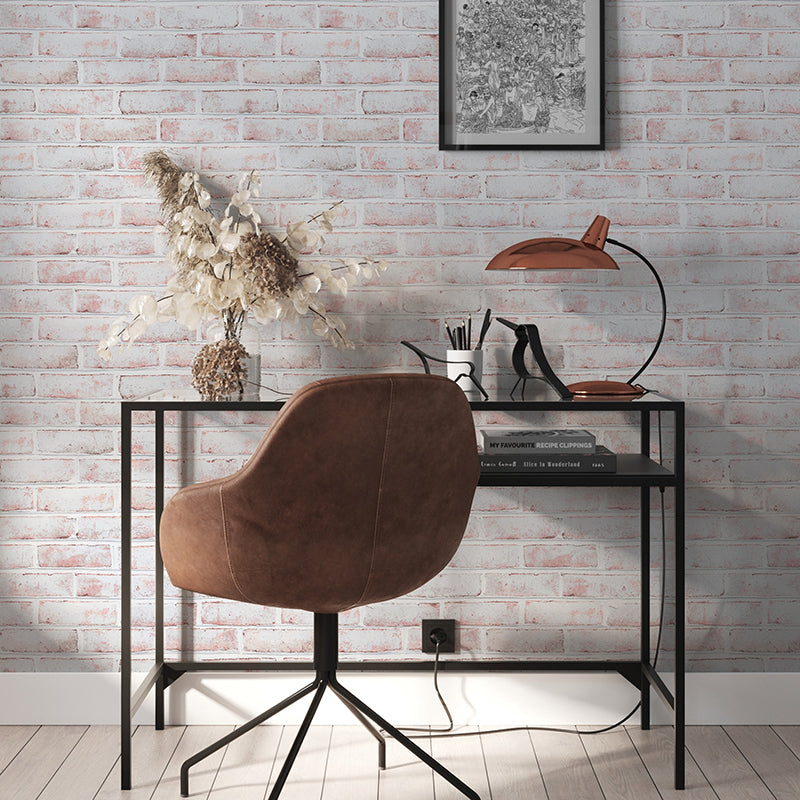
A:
x: 663, y: 305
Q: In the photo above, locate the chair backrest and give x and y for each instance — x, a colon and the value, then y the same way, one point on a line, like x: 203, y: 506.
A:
x: 359, y: 492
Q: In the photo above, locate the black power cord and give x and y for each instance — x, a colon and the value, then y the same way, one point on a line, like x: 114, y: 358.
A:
x: 438, y: 639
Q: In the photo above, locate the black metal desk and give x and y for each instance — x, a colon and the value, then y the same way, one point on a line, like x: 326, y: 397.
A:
x: 636, y: 469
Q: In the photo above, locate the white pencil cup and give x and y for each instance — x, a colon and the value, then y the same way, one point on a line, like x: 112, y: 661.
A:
x: 458, y: 364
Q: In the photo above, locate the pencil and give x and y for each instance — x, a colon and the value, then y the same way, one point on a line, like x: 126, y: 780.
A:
x: 450, y: 335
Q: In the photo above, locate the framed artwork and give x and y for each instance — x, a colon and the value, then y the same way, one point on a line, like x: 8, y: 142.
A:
x: 521, y: 74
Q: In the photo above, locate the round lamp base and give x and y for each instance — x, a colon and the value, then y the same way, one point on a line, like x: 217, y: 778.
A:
x: 604, y: 389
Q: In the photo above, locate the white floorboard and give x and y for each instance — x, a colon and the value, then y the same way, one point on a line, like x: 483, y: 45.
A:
x: 86, y: 767
x: 35, y: 764
x: 565, y: 767
x: 463, y: 756
x: 152, y: 751
x: 352, y: 765
x: 12, y: 740
x: 511, y: 767
x: 247, y: 764
x: 405, y: 775
x: 618, y: 767
x: 308, y: 773
x: 655, y: 749
x: 726, y: 769
x: 770, y: 757
x: 202, y: 775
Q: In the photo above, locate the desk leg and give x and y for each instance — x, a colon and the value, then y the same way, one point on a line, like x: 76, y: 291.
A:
x: 680, y: 602
x: 159, y: 567
x: 125, y: 590
x: 644, y: 573
x: 644, y: 631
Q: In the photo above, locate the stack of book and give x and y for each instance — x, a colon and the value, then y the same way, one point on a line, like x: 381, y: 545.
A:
x: 535, y: 450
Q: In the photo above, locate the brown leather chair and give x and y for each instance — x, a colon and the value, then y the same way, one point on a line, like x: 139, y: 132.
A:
x: 359, y: 492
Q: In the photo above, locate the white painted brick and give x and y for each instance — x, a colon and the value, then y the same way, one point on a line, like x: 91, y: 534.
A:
x: 376, y: 70
x: 340, y: 101
x: 277, y: 72
x: 672, y: 16
x: 736, y: 101
x: 40, y: 71
x: 400, y: 45
x: 767, y: 71
x: 156, y: 101
x: 726, y: 45
x: 764, y: 15
x: 236, y: 43
x: 318, y: 43
x: 686, y: 129
x: 121, y: 72
x: 770, y: 129
x: 318, y: 101
x: 358, y: 17
x: 678, y: 70
x: 401, y: 101
x: 339, y: 129
x: 513, y: 640
x: 730, y: 157
x: 782, y: 44
x: 275, y: 16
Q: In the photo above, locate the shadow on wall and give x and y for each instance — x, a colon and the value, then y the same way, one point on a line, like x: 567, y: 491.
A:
x: 742, y: 533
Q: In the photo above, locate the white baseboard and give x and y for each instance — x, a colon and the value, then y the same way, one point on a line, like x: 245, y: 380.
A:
x: 487, y: 699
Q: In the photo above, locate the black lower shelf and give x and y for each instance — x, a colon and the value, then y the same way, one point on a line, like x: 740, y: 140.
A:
x: 632, y: 470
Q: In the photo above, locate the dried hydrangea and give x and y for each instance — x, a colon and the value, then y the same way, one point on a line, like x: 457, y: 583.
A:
x: 227, y: 268
x: 269, y: 265
x: 219, y: 371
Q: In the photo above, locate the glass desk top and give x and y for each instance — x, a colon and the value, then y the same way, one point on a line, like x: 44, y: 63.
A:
x: 173, y: 399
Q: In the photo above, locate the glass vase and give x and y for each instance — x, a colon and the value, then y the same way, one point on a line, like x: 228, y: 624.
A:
x: 251, y: 341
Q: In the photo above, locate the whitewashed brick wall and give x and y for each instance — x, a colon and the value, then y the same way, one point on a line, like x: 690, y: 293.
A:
x: 339, y: 100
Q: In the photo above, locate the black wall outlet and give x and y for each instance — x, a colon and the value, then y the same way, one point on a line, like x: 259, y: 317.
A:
x: 441, y: 630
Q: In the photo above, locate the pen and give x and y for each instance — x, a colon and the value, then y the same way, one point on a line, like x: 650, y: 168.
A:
x: 469, y: 332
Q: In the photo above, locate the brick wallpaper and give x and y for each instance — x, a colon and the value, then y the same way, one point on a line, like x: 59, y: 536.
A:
x: 339, y: 100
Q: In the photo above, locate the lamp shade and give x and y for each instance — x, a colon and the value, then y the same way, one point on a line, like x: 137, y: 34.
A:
x: 559, y: 253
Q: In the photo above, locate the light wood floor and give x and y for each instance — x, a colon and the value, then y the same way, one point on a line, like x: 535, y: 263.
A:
x: 340, y: 763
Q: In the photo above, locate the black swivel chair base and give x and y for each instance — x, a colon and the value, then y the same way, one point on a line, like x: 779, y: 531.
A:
x: 326, y: 654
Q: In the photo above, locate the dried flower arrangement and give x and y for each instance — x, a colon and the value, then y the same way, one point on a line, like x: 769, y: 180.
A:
x: 227, y: 268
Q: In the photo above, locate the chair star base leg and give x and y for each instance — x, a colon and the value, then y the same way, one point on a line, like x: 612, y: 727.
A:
x: 298, y: 741
x: 366, y: 723
x: 240, y: 731
x: 404, y: 740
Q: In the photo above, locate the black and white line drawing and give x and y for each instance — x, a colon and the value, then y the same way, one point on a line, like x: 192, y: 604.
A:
x: 515, y: 73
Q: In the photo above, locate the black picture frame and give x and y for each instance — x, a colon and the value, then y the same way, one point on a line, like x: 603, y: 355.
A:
x: 521, y: 75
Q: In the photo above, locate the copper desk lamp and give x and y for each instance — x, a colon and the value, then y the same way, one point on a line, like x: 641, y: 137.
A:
x: 562, y: 253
